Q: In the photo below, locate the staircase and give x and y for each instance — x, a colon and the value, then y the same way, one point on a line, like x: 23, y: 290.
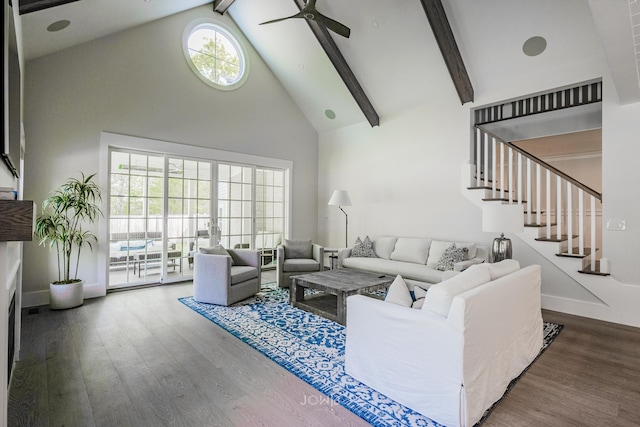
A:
x: 559, y: 210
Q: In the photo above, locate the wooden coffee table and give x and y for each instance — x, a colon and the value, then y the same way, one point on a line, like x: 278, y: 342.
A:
x: 335, y: 286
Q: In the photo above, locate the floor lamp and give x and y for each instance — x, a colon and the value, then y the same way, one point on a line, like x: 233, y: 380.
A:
x: 341, y: 198
x: 498, y: 217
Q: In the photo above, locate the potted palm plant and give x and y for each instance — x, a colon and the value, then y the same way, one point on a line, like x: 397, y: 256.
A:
x: 60, y: 226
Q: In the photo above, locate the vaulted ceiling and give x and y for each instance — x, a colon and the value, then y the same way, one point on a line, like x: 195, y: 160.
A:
x: 392, y: 51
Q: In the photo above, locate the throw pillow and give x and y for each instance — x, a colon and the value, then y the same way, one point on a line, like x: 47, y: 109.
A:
x: 417, y: 304
x: 435, y: 252
x: 450, y: 256
x: 216, y: 250
x: 419, y: 292
x: 363, y: 249
x: 472, y: 249
x: 419, y: 295
x: 298, y: 249
x: 398, y: 293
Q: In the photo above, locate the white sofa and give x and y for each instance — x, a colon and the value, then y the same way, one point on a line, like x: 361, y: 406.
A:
x: 450, y: 368
x: 414, y: 259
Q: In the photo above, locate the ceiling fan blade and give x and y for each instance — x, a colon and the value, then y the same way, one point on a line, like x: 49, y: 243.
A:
x: 332, y: 25
x: 310, y: 4
x: 297, y: 15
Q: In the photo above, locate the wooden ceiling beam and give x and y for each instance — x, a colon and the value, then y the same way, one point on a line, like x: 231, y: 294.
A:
x: 221, y: 6
x: 343, y: 69
x: 449, y: 48
x: 28, y: 6
x: 336, y: 58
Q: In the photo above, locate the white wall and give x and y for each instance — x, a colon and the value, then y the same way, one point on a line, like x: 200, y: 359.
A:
x: 403, y: 177
x: 138, y: 83
x: 620, y: 178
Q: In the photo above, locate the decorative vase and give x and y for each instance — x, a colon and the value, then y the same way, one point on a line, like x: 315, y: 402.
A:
x: 62, y: 296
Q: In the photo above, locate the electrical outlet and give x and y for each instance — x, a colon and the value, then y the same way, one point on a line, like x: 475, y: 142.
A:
x: 616, y: 225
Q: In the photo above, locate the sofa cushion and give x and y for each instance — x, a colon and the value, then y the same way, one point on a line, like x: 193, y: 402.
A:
x: 440, y: 296
x: 216, y: 250
x: 299, y: 265
x: 435, y: 252
x: 398, y: 293
x: 450, y: 256
x: 502, y: 268
x: 363, y: 248
x: 242, y: 273
x: 411, y: 250
x: 383, y: 246
x: 298, y: 248
x: 408, y: 270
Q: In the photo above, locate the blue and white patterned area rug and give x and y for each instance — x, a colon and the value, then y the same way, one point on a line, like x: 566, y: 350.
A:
x: 312, y: 348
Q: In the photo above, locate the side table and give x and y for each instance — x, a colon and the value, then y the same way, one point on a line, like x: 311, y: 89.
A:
x: 332, y: 253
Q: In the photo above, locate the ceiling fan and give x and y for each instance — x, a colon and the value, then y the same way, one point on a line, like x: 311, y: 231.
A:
x: 309, y: 12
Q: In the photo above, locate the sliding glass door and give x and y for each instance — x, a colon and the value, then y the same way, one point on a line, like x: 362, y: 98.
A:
x: 269, y: 213
x: 235, y: 205
x: 188, y: 211
x: 136, y: 216
x: 164, y: 208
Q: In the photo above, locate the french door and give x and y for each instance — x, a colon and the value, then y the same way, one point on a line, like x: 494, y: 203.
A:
x: 251, y: 209
x: 163, y: 208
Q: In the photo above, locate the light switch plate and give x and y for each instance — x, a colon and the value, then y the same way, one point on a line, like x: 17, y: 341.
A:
x: 616, y: 225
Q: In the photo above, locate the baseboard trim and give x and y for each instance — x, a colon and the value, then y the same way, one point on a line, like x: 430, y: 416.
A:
x: 584, y: 309
x: 35, y: 299
x: 39, y: 298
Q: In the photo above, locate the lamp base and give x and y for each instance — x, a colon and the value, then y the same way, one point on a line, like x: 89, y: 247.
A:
x: 501, y: 248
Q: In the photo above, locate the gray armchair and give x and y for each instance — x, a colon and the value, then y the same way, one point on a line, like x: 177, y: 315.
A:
x: 298, y: 257
x: 224, y: 279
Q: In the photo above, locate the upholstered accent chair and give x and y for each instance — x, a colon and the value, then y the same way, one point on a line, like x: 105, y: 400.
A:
x: 298, y: 257
x: 225, y: 276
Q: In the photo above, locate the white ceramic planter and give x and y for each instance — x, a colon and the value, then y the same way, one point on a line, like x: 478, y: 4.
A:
x: 66, y: 296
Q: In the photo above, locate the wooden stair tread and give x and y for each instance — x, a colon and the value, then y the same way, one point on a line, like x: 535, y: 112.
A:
x: 575, y: 254
x: 588, y: 270
x: 555, y: 239
x: 538, y: 225
x: 500, y: 199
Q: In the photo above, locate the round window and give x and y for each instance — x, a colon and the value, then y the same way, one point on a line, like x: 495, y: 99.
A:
x: 215, y: 55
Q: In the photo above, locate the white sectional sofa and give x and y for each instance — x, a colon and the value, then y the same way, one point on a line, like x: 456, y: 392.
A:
x: 453, y: 358
x: 415, y: 259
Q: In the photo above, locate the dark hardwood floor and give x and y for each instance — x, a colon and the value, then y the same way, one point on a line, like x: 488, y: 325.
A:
x: 141, y: 358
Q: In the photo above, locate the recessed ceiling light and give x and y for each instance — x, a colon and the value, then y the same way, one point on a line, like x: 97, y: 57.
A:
x: 375, y: 23
x: 534, y: 46
x: 58, y: 25
x: 330, y: 114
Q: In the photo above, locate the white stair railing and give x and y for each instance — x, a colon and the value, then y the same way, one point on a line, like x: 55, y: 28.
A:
x: 554, y: 202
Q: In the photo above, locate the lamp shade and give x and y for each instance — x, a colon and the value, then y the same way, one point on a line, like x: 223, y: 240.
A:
x: 502, y: 218
x: 340, y: 198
